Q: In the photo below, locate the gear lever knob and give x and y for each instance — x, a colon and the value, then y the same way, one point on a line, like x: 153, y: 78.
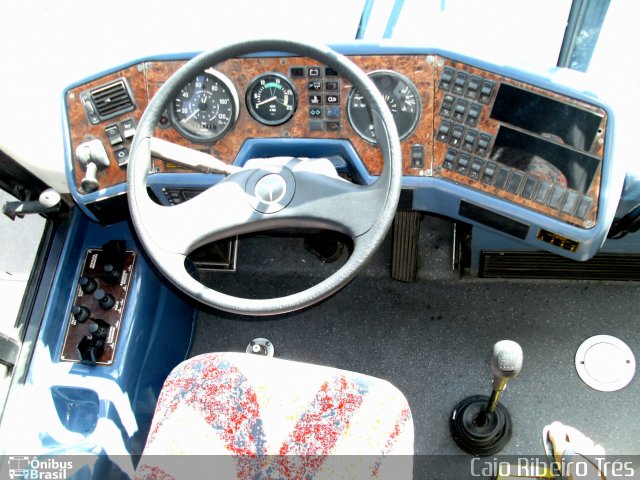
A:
x: 506, y: 363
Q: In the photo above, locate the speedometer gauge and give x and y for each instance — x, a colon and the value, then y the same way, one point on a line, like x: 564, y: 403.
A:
x: 206, y: 108
x: 271, y: 99
x: 402, y: 98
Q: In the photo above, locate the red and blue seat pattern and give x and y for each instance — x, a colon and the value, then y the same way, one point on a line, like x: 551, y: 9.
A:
x: 251, y: 417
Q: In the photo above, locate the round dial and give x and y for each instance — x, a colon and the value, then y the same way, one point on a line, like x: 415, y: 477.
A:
x: 402, y: 98
x: 271, y: 99
x: 206, y: 108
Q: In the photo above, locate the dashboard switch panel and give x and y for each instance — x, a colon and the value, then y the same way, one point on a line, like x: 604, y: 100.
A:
x: 529, y: 146
x: 96, y: 317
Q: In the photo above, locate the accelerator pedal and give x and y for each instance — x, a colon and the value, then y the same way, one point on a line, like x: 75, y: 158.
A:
x: 406, y: 234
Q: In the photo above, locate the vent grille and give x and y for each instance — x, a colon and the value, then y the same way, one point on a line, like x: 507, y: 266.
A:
x: 604, y: 266
x: 112, y: 99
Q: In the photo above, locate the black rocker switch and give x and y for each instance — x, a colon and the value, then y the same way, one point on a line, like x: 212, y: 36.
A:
x: 88, y: 285
x: 80, y: 313
x: 105, y: 300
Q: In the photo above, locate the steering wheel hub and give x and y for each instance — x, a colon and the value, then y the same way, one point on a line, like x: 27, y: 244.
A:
x: 271, y: 189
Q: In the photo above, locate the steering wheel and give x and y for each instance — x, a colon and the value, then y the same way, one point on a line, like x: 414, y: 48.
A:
x: 278, y: 194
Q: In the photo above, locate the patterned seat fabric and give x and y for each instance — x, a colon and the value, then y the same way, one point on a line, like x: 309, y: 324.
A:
x: 251, y: 417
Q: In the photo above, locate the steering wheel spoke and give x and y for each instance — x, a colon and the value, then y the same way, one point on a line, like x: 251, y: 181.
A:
x: 336, y: 204
x: 218, y: 212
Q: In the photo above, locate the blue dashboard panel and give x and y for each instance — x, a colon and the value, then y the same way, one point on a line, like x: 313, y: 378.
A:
x: 444, y: 198
x: 99, y: 410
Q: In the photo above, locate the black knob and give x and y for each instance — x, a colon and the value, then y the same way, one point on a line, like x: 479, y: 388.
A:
x: 98, y: 331
x: 114, y: 254
x: 105, y: 300
x: 111, y: 274
x: 80, y: 313
x: 88, y: 285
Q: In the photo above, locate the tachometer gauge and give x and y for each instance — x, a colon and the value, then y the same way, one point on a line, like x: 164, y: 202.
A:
x: 206, y: 108
x: 402, y: 98
x: 271, y: 99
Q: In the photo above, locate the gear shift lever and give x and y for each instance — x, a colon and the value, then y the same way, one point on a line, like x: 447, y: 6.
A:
x: 506, y: 363
x: 480, y: 425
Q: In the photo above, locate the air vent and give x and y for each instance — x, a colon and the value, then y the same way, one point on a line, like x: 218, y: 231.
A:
x: 604, y: 266
x: 109, y: 101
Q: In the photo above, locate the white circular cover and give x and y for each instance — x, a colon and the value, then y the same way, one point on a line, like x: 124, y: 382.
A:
x: 605, y: 363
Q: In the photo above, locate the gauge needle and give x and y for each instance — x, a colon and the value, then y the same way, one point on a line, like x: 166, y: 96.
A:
x: 191, y: 116
x: 270, y: 99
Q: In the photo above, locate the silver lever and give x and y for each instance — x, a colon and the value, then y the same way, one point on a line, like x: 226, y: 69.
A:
x: 506, y: 363
x: 93, y: 157
x: 48, y: 202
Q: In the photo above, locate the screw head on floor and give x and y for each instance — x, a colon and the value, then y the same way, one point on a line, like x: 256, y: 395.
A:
x: 260, y: 346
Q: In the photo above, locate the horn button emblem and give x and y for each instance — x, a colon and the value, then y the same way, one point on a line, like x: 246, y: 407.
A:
x: 269, y: 190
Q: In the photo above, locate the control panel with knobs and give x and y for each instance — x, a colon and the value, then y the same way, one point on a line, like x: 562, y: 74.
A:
x: 98, y: 306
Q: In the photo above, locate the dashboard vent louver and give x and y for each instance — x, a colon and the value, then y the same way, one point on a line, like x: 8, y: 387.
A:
x: 112, y: 99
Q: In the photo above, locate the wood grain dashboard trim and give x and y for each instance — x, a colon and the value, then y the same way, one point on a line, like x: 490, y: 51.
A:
x: 243, y: 71
x: 424, y: 71
x: 82, y: 130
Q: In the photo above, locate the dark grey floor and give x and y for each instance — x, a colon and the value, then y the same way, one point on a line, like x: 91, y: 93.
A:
x: 432, y: 339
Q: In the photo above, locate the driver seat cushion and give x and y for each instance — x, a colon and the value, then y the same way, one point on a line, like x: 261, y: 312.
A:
x: 276, y: 419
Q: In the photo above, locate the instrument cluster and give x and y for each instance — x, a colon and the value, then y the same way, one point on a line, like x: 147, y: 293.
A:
x: 207, y: 107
